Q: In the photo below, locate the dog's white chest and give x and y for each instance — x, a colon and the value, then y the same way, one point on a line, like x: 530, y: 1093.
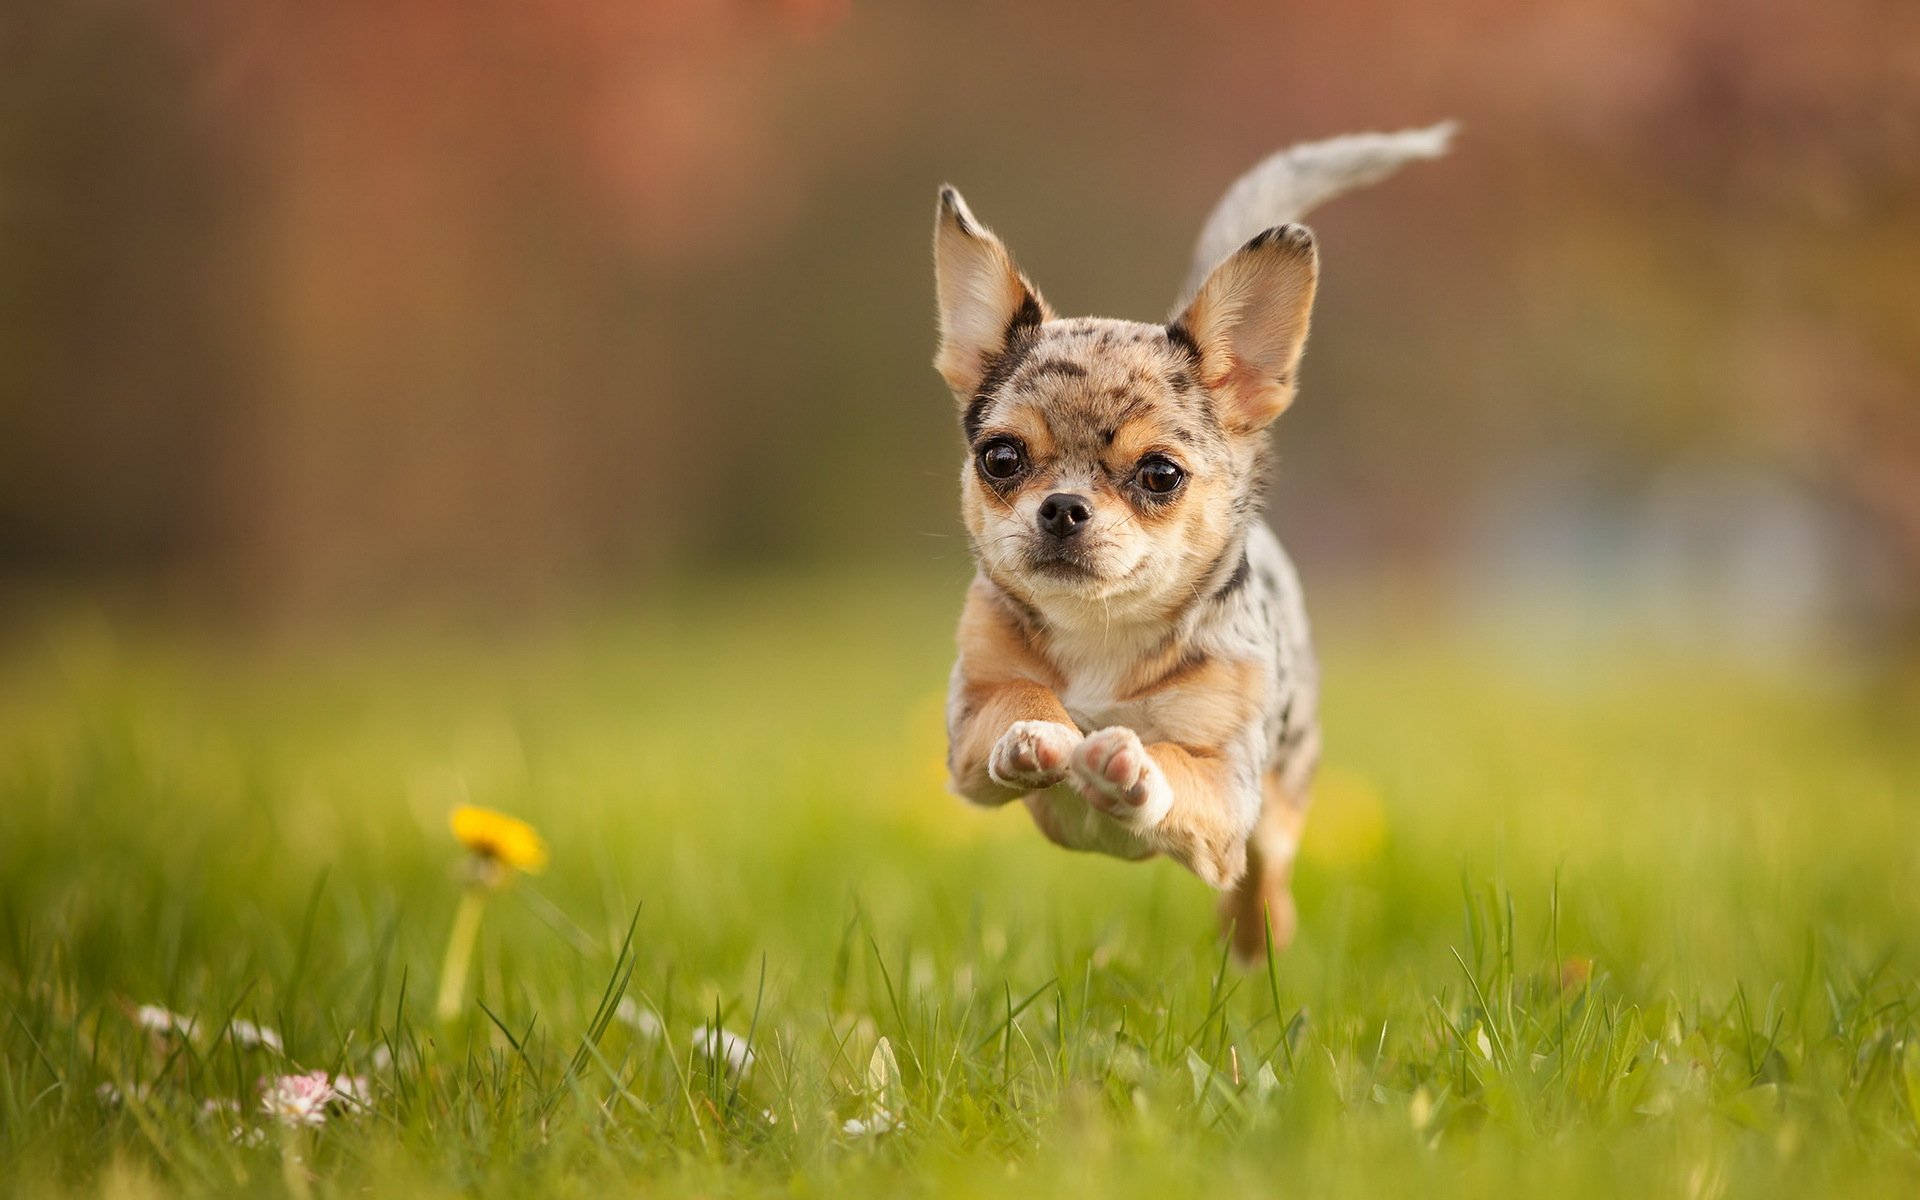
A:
x: 1094, y: 690
x: 1094, y: 703
x: 1089, y: 702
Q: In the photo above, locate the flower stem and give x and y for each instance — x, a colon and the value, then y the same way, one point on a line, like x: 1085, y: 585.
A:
x: 293, y: 1163
x: 453, y: 971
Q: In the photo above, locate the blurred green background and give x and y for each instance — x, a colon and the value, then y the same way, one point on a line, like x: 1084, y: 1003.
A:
x: 314, y: 313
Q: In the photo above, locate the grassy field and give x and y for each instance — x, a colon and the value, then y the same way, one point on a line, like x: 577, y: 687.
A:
x: 1627, y: 927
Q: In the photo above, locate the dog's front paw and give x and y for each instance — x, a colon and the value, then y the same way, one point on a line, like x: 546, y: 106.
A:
x: 1032, y: 754
x: 1117, y: 776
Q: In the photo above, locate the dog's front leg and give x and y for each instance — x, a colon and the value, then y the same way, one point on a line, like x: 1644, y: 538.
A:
x: 1007, y: 739
x: 1195, y: 806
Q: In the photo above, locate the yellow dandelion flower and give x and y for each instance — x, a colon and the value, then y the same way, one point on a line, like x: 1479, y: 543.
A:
x: 499, y: 838
x: 500, y: 845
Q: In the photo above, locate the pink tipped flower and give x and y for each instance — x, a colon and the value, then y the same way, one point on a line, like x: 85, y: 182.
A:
x: 297, y: 1101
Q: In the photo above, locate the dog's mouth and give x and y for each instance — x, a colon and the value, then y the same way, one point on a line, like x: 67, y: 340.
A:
x: 1063, y: 561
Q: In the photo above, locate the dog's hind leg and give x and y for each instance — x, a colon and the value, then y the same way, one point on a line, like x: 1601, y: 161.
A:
x: 1263, y: 898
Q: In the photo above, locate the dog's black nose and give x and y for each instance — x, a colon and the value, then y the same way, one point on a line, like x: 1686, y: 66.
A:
x: 1064, y: 514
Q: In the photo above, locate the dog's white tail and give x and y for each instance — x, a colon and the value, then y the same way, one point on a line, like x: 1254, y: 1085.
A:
x: 1284, y: 186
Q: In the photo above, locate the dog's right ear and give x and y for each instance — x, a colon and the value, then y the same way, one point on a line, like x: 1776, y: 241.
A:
x: 985, y: 303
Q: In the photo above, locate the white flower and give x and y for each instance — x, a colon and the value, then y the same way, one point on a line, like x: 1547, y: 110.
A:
x: 220, y: 1108
x: 877, y: 1121
x: 297, y: 1100
x: 352, y: 1091
x: 248, y: 1135
x: 725, y: 1046
x: 247, y: 1034
x: 641, y: 1020
x: 156, y: 1019
x: 113, y: 1096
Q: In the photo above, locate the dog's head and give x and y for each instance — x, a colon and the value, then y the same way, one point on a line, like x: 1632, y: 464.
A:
x: 1113, y: 463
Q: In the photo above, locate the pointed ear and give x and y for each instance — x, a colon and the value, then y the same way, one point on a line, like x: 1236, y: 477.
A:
x: 1248, y: 325
x: 984, y: 300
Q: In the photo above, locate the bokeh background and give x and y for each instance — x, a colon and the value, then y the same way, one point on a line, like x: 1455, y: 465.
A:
x: 311, y: 313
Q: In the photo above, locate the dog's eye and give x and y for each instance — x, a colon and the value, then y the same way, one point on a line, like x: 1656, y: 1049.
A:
x: 1158, y: 475
x: 1001, y: 459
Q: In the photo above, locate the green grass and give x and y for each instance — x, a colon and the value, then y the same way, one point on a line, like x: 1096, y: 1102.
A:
x: 1628, y: 927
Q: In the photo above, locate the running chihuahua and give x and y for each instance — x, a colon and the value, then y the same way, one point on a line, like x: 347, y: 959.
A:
x: 1134, y: 657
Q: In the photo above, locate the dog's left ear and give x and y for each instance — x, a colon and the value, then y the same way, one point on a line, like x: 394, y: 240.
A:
x: 984, y: 300
x: 1249, y: 324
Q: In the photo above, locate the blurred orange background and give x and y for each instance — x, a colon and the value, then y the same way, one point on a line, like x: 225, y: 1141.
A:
x: 316, y: 311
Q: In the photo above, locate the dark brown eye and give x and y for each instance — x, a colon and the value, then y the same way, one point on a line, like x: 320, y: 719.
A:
x: 1001, y: 459
x: 1158, y: 475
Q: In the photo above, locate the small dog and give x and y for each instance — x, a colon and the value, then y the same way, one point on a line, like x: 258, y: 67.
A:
x: 1134, y: 657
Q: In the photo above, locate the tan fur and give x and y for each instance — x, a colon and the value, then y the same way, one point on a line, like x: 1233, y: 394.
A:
x: 1203, y: 833
x: 1004, y: 678
x: 1004, y: 675
x: 1004, y: 681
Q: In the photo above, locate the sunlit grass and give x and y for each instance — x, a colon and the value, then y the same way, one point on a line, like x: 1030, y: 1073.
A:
x: 1637, y: 927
